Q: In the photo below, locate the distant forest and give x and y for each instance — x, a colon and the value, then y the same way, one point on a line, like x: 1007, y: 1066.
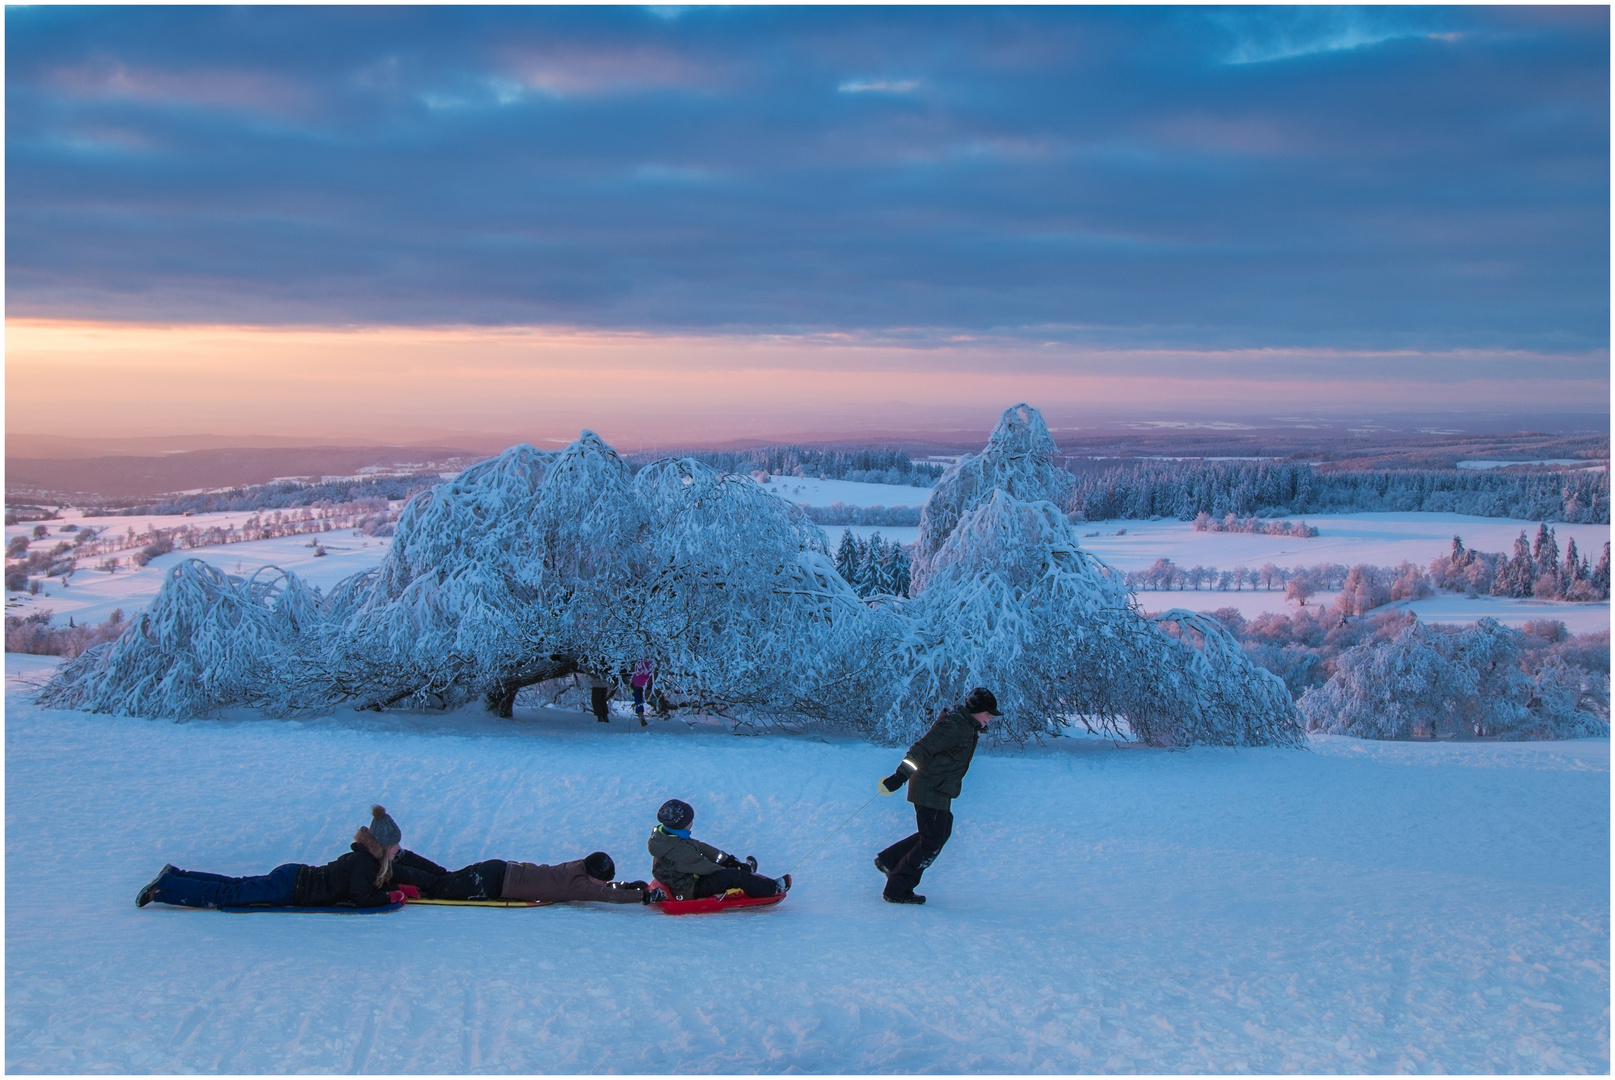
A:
x: 283, y: 495
x: 1186, y: 489
x: 866, y: 465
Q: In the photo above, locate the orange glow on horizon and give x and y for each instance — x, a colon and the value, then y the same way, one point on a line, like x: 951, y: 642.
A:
x: 409, y: 384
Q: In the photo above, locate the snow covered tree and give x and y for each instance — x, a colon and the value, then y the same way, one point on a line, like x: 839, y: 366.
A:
x: 897, y: 571
x: 1545, y: 550
x: 1516, y: 576
x: 209, y: 641
x: 1472, y: 682
x: 453, y: 610
x: 1399, y: 690
x: 1017, y: 460
x: 847, y: 556
x: 530, y: 565
x: 1012, y: 603
x: 741, y: 605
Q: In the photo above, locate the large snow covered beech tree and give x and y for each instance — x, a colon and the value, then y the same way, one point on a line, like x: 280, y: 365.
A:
x: 453, y: 610
x: 740, y: 604
x: 1013, y: 603
x: 529, y: 565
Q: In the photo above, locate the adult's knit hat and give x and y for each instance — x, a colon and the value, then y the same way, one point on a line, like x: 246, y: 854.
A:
x: 383, y: 828
x: 981, y: 700
x: 676, y: 814
x: 599, y: 866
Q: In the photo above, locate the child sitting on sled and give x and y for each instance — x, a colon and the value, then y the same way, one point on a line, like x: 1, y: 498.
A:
x: 691, y: 870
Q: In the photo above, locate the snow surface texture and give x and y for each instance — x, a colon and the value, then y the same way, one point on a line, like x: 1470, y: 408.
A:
x: 528, y: 563
x: 1366, y: 907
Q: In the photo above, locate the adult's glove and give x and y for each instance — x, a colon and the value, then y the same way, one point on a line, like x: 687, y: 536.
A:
x: 890, y: 784
x: 751, y: 863
x: 729, y: 862
x: 640, y: 885
x: 396, y: 896
x: 410, y: 891
x: 653, y: 896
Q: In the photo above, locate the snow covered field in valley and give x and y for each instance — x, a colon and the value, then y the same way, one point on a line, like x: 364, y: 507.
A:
x: 1376, y: 539
x: 816, y: 492
x: 1362, y: 907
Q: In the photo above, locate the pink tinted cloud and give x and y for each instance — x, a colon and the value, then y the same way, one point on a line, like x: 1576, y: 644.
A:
x: 200, y: 88
x: 583, y: 72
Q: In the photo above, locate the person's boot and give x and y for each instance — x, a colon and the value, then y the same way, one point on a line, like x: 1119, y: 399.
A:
x: 148, y: 891
x: 906, y: 898
x: 783, y: 884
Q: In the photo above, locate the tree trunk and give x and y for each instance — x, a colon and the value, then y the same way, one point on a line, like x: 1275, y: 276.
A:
x: 501, y: 699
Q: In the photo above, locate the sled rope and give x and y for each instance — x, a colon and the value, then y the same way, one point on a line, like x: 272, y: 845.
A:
x: 831, y: 833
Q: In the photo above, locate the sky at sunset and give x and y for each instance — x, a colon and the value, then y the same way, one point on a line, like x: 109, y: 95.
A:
x: 688, y: 224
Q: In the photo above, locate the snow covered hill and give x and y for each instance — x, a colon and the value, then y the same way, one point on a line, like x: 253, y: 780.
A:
x: 1363, y: 907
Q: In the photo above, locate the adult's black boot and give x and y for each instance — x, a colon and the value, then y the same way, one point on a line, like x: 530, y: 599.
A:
x: 906, y: 898
x: 148, y: 891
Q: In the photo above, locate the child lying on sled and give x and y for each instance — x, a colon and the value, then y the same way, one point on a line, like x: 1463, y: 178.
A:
x: 581, y: 879
x: 691, y: 870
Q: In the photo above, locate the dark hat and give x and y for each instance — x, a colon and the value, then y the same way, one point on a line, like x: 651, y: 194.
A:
x: 676, y: 814
x: 981, y: 700
x: 599, y: 866
x: 383, y: 828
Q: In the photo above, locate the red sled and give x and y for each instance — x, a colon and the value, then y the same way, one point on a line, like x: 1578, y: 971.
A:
x: 734, y: 898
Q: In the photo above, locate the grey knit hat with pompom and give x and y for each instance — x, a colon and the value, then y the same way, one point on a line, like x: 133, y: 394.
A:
x: 383, y: 827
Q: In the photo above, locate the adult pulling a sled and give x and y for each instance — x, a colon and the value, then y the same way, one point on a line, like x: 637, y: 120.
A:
x: 933, y: 769
x: 375, y: 873
x: 581, y: 879
x: 691, y: 870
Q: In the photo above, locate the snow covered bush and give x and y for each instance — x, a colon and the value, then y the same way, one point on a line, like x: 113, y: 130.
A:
x: 1014, y: 604
x: 1476, y: 681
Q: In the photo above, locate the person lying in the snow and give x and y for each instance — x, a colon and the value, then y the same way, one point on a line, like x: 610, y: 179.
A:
x: 691, y: 870
x: 580, y: 879
x: 377, y: 871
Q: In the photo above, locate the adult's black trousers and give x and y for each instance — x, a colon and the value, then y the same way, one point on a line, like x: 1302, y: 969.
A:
x: 909, y: 857
x: 479, y: 881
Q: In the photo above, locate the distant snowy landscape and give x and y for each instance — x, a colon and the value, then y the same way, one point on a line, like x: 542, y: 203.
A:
x: 1377, y: 539
x: 1155, y: 868
x: 1348, y: 907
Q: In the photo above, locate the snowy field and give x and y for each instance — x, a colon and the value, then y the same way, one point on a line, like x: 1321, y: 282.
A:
x: 91, y: 595
x: 816, y: 492
x: 1363, y: 907
x: 1377, y: 539
x: 1348, y: 539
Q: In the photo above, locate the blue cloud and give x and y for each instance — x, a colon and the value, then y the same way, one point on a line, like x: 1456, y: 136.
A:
x: 1263, y: 35
x: 1362, y: 178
